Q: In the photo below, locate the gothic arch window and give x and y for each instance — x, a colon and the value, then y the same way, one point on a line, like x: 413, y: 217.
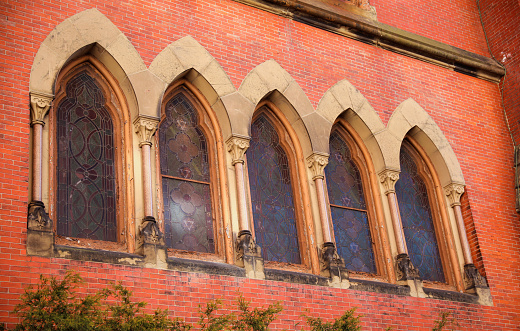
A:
x: 87, y: 149
x: 417, y: 206
x: 274, y: 190
x: 350, y: 203
x: 188, y: 174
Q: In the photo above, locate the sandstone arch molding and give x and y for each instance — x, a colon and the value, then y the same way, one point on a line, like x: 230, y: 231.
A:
x: 186, y: 58
x: 410, y: 118
x: 344, y: 100
x: 269, y: 81
x: 86, y: 32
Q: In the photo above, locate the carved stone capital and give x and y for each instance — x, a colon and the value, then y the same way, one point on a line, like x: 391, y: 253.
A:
x: 389, y: 177
x: 473, y: 279
x: 317, y: 163
x: 454, y: 192
x: 145, y: 127
x: 405, y: 269
x: 237, y: 146
x: 40, y: 104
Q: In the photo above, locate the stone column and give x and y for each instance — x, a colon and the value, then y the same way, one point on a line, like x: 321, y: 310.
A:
x: 40, y: 233
x: 249, y: 255
x: 332, y: 265
x: 472, y: 278
x: 406, y: 272
x: 150, y: 239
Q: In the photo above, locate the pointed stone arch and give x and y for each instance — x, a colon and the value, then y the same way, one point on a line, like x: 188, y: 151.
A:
x: 410, y: 118
x: 269, y: 81
x: 187, y: 59
x: 344, y: 100
x: 86, y: 32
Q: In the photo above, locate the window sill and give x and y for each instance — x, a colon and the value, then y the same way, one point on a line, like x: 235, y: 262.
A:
x: 205, y: 267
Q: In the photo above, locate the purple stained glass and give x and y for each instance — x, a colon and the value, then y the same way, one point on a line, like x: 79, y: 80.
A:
x: 416, y: 217
x: 186, y: 179
x: 271, y: 194
x: 85, y: 172
x: 348, y: 208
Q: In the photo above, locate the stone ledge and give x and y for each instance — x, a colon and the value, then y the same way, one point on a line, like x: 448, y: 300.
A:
x: 295, y: 277
x: 365, y: 29
x: 206, y: 267
x: 97, y: 255
x: 378, y: 287
x: 450, y: 295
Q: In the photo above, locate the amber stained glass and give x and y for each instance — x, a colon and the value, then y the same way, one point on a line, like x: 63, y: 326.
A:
x: 348, y: 208
x: 185, y: 178
x: 417, y: 221
x: 271, y: 194
x: 85, y: 172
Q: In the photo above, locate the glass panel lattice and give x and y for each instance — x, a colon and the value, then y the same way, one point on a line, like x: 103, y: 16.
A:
x: 271, y: 194
x: 418, y: 227
x: 348, y: 208
x: 185, y: 179
x: 85, y: 172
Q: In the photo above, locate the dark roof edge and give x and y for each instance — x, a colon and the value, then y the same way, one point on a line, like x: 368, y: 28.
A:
x: 370, y: 31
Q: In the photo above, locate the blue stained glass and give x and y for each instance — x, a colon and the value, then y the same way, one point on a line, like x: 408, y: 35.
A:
x: 271, y: 194
x: 418, y: 227
x: 348, y: 208
x: 85, y: 171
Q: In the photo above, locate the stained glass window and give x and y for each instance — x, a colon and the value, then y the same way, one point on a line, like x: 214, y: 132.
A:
x: 416, y: 217
x: 85, y: 172
x: 348, y: 208
x: 185, y: 178
x: 271, y: 194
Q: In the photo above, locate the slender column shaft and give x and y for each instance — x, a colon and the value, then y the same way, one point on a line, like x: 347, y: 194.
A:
x: 243, y: 218
x: 396, y: 223
x: 37, y: 162
x: 324, y: 215
x: 462, y: 235
x: 147, y: 180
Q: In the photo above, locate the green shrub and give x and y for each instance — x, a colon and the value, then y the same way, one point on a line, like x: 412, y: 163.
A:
x: 347, y: 322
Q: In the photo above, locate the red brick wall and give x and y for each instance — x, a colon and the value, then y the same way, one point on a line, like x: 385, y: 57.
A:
x: 467, y: 109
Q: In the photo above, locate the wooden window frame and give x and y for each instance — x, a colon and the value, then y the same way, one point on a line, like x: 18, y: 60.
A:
x: 207, y: 122
x: 116, y: 105
x: 299, y: 185
x: 375, y: 216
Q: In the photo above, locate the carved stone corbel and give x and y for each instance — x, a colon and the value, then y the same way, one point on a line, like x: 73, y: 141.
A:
x: 405, y: 269
x: 473, y: 278
x: 249, y: 255
x: 317, y: 163
x: 145, y: 127
x: 332, y: 266
x: 40, y: 104
x: 40, y: 234
x: 151, y: 243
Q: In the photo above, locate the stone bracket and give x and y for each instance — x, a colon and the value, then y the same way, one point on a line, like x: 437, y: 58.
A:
x: 405, y: 269
x: 151, y: 244
x: 473, y: 279
x: 40, y: 233
x: 37, y: 218
x: 249, y: 255
x: 332, y: 266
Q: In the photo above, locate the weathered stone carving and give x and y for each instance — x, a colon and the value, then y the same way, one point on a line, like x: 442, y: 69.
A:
x: 405, y: 269
x: 389, y: 178
x: 37, y: 218
x: 249, y: 255
x: 40, y: 234
x: 473, y: 279
x: 317, y: 162
x: 332, y: 265
x: 145, y: 127
x: 454, y: 192
x: 151, y: 243
x: 237, y: 146
x: 40, y: 104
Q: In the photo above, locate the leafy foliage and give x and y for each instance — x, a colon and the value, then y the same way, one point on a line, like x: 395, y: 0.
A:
x: 347, y: 322
x: 445, y: 321
x: 255, y: 319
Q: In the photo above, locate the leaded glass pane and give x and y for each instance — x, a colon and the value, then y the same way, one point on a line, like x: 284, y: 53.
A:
x: 418, y: 227
x: 185, y: 179
x: 271, y: 194
x: 348, y: 208
x: 85, y: 172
